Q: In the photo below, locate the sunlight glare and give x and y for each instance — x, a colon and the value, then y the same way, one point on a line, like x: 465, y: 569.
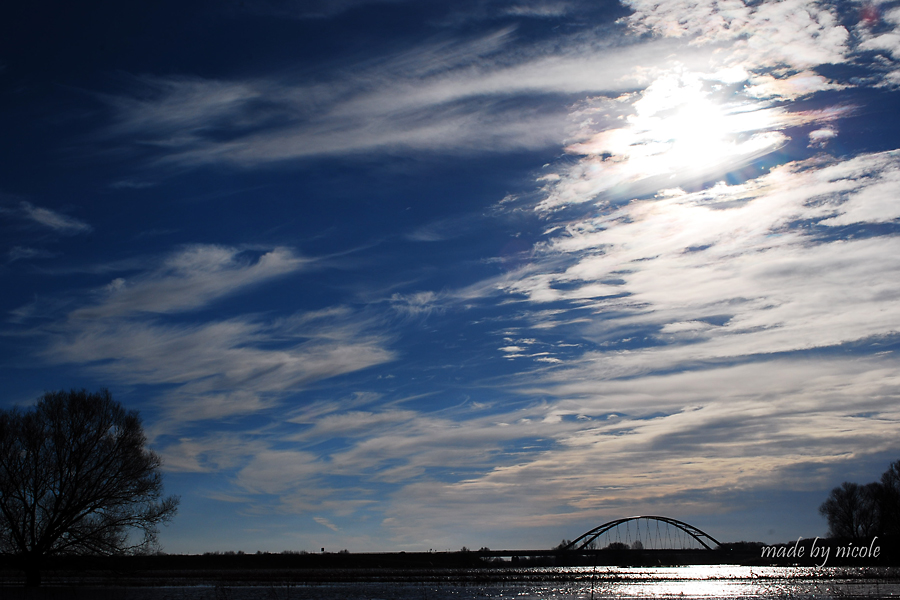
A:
x: 680, y: 128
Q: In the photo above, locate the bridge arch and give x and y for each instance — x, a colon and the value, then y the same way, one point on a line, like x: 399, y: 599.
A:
x: 585, y: 539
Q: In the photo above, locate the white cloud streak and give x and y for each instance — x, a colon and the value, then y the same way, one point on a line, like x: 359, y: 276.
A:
x: 191, y: 278
x: 698, y: 436
x: 215, y: 368
x: 217, y: 356
x: 480, y: 96
x: 731, y: 253
x: 678, y: 132
x: 56, y: 221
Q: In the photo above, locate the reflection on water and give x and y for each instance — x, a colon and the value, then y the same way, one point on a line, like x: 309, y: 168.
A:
x: 536, y: 583
x: 747, y: 582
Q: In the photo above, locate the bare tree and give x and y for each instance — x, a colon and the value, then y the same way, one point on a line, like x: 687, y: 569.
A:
x: 890, y: 500
x: 852, y: 510
x: 869, y: 522
x: 75, y: 478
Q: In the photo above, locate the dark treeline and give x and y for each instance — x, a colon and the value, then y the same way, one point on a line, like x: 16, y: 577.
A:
x: 247, y: 569
x: 863, y: 511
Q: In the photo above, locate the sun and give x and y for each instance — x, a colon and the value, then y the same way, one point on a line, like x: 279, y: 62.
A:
x: 682, y: 127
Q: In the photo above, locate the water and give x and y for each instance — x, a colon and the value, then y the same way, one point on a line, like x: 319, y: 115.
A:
x: 551, y: 583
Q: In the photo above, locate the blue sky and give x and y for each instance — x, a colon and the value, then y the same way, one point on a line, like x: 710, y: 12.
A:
x: 393, y: 275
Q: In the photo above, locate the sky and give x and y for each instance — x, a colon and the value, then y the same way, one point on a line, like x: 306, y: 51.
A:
x: 398, y: 275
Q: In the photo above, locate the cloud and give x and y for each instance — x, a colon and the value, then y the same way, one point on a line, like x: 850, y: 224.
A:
x: 29, y: 225
x: 494, y: 93
x: 210, y: 452
x: 130, y: 184
x: 326, y: 523
x: 191, y: 278
x: 766, y: 360
x: 723, y: 274
x: 719, y: 408
x: 459, y: 12
x: 702, y: 438
x: 791, y: 88
x: 210, y: 368
x: 274, y: 471
x: 540, y: 9
x: 877, y: 32
x: 820, y: 137
x: 446, y: 229
x: 58, y: 222
x: 888, y: 41
x: 682, y: 128
x: 419, y: 304
x: 482, y: 95
x: 734, y: 338
x: 219, y: 368
x: 791, y: 33
x: 24, y: 253
x: 875, y: 202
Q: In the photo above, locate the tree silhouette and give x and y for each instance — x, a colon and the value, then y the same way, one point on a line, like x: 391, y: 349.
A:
x: 850, y: 510
x: 858, y: 511
x: 889, y: 500
x: 75, y: 478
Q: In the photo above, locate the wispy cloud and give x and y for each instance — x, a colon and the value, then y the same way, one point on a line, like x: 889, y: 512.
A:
x: 56, y: 221
x: 28, y: 228
x: 474, y: 10
x: 878, y: 31
x: 436, y: 98
x: 213, y: 358
x: 732, y: 291
x: 700, y: 437
x: 23, y: 253
x: 723, y: 273
x: 326, y: 523
x: 213, y: 368
x: 791, y: 33
x: 540, y: 9
x: 191, y: 278
x: 493, y: 94
x: 683, y: 128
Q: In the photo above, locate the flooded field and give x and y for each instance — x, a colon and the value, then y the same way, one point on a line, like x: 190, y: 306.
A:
x: 548, y: 583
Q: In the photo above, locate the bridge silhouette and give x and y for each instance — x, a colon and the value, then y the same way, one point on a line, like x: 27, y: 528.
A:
x: 651, y: 534
x: 660, y: 533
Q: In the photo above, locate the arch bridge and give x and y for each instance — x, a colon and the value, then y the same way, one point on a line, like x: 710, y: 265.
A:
x: 650, y: 531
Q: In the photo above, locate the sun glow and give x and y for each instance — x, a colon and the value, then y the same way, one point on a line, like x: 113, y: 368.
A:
x: 681, y: 127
